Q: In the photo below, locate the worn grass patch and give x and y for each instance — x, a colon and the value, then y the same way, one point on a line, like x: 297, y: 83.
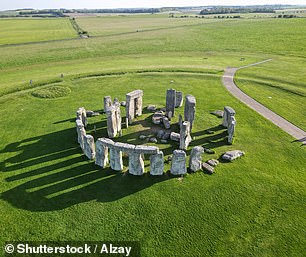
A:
x: 52, y: 92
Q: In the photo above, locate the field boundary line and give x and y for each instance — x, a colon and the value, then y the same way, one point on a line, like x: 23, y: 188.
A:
x: 285, y: 125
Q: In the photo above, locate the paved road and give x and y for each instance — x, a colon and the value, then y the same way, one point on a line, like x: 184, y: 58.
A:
x: 228, y: 82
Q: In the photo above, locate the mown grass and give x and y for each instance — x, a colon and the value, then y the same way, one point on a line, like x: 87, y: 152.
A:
x: 16, y: 31
x: 249, y: 207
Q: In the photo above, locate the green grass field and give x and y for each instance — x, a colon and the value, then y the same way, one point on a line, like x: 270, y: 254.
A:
x: 16, y: 31
x: 251, y: 207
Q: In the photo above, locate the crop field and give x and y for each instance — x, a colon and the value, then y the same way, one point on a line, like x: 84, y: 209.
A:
x: 253, y: 206
x: 16, y: 31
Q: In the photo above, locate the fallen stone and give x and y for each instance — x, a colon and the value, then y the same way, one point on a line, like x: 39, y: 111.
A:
x: 232, y: 155
x: 209, y: 151
x: 166, y: 136
x: 218, y: 113
x: 160, y: 134
x: 163, y: 141
x: 153, y: 140
x: 157, y: 117
x: 175, y: 136
x: 151, y: 108
x: 206, y: 167
x: 166, y: 122
x: 213, y: 162
x: 123, y: 103
x: 142, y: 137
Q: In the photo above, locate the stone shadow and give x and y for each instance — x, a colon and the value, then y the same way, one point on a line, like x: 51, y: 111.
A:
x: 57, y: 175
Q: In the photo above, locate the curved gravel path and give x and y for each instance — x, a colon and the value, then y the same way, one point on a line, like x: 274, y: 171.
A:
x: 228, y: 82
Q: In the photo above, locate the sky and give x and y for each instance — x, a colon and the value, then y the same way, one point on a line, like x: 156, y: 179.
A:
x: 96, y: 4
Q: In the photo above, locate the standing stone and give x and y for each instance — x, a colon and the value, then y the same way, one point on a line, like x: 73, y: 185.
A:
x: 195, y: 161
x: 117, y: 114
x: 102, y: 152
x: 133, y: 105
x: 228, y: 112
x: 170, y: 103
x: 89, y: 147
x: 112, y: 128
x: 81, y: 132
x: 231, y: 129
x: 107, y: 103
x: 185, y: 137
x: 157, y: 164
x: 81, y: 115
x: 178, y: 99
x: 189, y: 111
x: 178, y: 165
x: 136, y: 164
x: 116, y: 162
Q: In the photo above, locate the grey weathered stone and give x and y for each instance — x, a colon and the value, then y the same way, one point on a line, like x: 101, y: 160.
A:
x: 232, y: 155
x: 218, y: 113
x: 157, y: 163
x: 124, y: 147
x: 166, y: 123
x: 116, y: 162
x: 123, y: 103
x: 133, y: 105
x: 228, y: 112
x: 142, y: 137
x: 195, y: 160
x: 178, y: 165
x: 144, y: 149
x: 81, y: 115
x: 178, y: 99
x: 112, y: 128
x: 101, y: 153
x: 107, y: 142
x: 164, y: 141
x: 151, y: 108
x: 175, y: 136
x: 160, y: 134
x: 153, y: 140
x: 185, y: 137
x: 136, y: 164
x: 166, y: 136
x: 209, y: 169
x: 189, y: 110
x: 107, y: 103
x: 89, y: 147
x: 213, y: 162
x: 209, y: 151
x: 91, y: 113
x: 170, y: 102
x: 81, y: 132
x: 231, y: 129
x: 180, y: 121
x: 157, y: 117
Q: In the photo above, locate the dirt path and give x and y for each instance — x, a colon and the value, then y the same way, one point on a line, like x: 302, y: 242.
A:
x: 228, y: 82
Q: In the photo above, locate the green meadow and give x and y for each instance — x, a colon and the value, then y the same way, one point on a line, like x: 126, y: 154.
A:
x: 24, y: 30
x: 253, y: 206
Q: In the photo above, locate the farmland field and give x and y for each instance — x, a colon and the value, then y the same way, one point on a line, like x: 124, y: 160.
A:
x: 251, y: 207
x: 16, y: 31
